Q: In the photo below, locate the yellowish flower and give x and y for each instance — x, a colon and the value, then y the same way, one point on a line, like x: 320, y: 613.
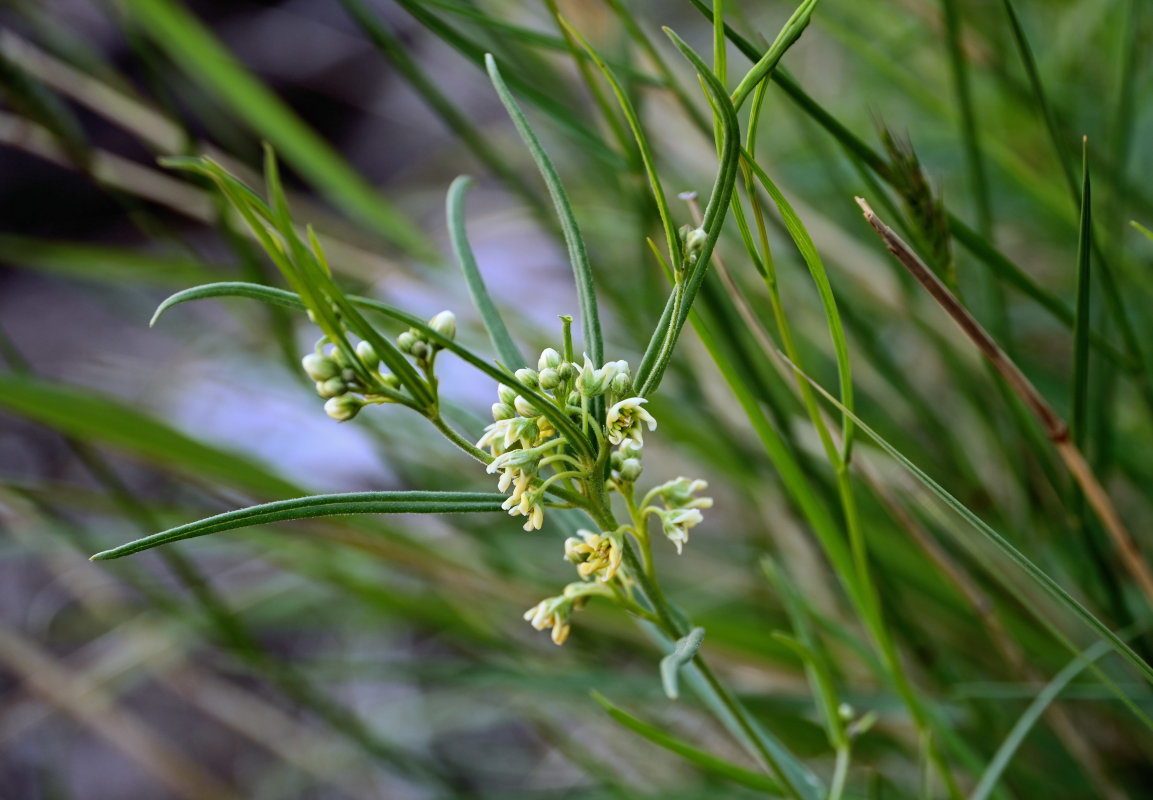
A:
x: 624, y: 420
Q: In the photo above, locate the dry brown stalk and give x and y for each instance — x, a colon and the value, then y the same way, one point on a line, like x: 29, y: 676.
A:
x: 1055, y: 428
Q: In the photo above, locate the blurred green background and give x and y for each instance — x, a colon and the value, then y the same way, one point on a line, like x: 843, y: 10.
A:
x: 387, y: 657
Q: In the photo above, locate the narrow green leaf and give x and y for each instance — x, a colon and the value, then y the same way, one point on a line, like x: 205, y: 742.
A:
x: 1081, y: 322
x: 683, y: 652
x: 582, y: 272
x: 502, y: 342
x: 105, y: 264
x: 321, y: 505
x: 89, y: 416
x: 715, y: 212
x: 788, y: 36
x: 1033, y: 713
x: 1148, y: 233
x: 210, y: 65
x: 699, y: 758
x: 642, y: 141
x: 812, y: 259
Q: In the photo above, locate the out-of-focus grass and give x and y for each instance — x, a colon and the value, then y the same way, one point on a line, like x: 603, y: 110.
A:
x: 385, y: 656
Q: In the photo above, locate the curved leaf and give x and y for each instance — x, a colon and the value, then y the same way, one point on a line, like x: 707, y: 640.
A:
x: 321, y: 505
x: 502, y: 342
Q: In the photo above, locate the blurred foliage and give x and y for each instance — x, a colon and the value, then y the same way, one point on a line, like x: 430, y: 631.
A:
x: 916, y: 596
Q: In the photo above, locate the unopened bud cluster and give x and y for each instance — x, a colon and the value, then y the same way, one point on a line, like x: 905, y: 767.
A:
x: 349, y: 380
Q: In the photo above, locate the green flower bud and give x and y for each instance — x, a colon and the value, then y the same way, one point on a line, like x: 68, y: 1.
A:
x: 348, y: 374
x: 695, y: 242
x: 566, y: 371
x: 630, y: 470
x: 343, y: 408
x: 319, y: 367
x: 630, y: 449
x: 391, y: 381
x: 524, y: 408
x: 506, y: 394
x: 622, y: 385
x: 333, y: 387
x: 615, y: 460
x: 574, y: 399
x: 367, y: 354
x: 502, y: 411
x: 421, y: 350
x: 528, y: 377
x: 549, y: 379
x: 548, y: 358
x: 444, y: 323
x: 405, y: 341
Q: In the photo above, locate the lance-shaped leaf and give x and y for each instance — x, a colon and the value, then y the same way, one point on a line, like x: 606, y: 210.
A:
x: 686, y: 648
x: 321, y: 505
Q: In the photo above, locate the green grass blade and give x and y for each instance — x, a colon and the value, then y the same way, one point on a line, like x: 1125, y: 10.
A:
x: 113, y: 265
x: 812, y: 259
x: 1148, y: 233
x: 578, y: 256
x: 642, y: 141
x: 1079, y: 411
x: 1033, y: 713
x: 210, y: 65
x: 390, y: 46
x: 1034, y: 573
x: 502, y: 342
x: 695, y: 756
x: 88, y: 416
x: 788, y: 36
x: 321, y: 505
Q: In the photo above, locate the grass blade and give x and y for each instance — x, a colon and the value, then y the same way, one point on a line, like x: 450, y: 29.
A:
x: 1081, y: 321
x: 208, y: 63
x: 1032, y: 714
x: 502, y: 342
x: 578, y: 256
x: 91, y: 417
x: 321, y: 505
x: 699, y: 758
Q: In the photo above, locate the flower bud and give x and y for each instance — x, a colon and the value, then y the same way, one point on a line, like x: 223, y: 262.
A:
x: 630, y: 470
x: 348, y: 374
x: 566, y: 371
x: 502, y: 411
x: 524, y: 408
x: 420, y: 350
x: 549, y: 358
x: 333, y: 387
x: 506, y: 394
x: 343, y: 408
x: 528, y: 377
x: 630, y: 449
x: 319, y: 367
x: 405, y: 342
x: 615, y: 460
x: 549, y: 378
x: 367, y: 354
x: 695, y: 242
x: 574, y: 399
x: 621, y: 384
x: 391, y: 381
x: 444, y: 323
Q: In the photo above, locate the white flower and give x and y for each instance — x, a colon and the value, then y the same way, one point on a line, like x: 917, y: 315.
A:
x: 624, y: 419
x: 676, y: 524
x: 552, y: 612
